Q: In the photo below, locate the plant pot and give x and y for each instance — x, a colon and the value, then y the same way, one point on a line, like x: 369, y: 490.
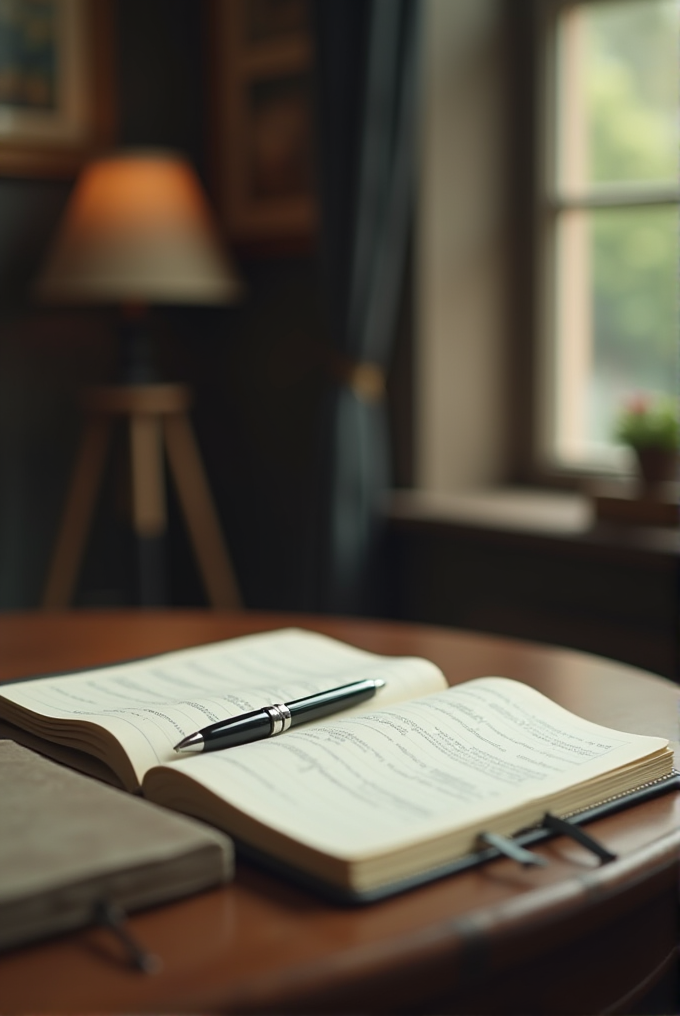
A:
x: 657, y: 465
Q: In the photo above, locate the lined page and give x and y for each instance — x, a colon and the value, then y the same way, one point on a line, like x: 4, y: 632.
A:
x: 363, y: 785
x: 152, y: 704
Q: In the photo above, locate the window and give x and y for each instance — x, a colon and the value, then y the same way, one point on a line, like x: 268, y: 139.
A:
x: 610, y: 221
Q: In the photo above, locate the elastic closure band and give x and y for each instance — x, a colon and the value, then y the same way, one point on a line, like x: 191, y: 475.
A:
x: 579, y: 835
x: 510, y: 848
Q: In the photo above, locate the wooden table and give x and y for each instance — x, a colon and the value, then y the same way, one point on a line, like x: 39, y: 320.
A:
x: 573, y: 937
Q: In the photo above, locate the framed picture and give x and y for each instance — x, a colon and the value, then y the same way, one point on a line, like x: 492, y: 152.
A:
x: 56, y: 84
x: 263, y: 117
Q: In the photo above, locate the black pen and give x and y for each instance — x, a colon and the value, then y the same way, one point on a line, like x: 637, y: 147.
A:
x: 272, y: 720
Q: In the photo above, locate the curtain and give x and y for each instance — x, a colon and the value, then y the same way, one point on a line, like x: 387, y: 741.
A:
x: 367, y: 70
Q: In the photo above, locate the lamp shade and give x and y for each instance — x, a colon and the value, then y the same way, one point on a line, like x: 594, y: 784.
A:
x: 138, y: 229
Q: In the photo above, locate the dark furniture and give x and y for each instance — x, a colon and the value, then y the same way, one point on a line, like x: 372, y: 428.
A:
x: 538, y: 566
x: 574, y: 937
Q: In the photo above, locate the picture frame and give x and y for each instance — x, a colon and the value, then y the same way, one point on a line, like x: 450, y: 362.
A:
x: 56, y: 85
x: 263, y: 123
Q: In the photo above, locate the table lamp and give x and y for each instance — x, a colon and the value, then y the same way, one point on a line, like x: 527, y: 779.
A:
x: 137, y: 231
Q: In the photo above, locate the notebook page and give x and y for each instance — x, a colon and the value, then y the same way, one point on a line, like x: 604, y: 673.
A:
x: 151, y: 704
x: 381, y: 781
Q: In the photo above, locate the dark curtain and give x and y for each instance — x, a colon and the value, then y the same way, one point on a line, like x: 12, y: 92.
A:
x: 367, y: 71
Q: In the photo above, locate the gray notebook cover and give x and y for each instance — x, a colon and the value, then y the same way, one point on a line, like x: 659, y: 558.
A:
x: 68, y: 842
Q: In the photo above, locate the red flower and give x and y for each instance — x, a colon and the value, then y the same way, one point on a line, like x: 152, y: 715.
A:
x: 637, y: 405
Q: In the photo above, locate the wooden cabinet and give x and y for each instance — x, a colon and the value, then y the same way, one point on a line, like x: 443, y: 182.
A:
x: 546, y: 573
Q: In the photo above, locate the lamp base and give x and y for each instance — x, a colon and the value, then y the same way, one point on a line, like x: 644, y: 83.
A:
x: 158, y: 421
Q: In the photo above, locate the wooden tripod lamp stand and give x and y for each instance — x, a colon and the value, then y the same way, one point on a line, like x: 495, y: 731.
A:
x: 138, y: 231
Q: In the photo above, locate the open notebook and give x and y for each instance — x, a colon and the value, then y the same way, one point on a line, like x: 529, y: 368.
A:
x: 365, y: 802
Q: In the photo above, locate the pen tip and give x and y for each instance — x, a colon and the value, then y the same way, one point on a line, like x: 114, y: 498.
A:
x: 379, y: 683
x: 192, y: 743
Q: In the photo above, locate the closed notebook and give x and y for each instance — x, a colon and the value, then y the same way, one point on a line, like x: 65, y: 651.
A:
x: 69, y: 842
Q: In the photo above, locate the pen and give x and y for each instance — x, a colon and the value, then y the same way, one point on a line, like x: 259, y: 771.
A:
x: 274, y: 719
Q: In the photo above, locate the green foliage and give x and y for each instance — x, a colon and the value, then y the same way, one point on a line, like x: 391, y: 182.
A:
x: 647, y: 424
x: 632, y: 91
x: 635, y: 257
x: 631, y: 96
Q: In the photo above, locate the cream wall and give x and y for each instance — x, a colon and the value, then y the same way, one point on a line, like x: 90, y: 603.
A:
x: 460, y: 283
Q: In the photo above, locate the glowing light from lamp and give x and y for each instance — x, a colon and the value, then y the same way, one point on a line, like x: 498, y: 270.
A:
x: 138, y: 229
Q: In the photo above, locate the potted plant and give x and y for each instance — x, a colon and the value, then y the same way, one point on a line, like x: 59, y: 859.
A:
x: 650, y: 427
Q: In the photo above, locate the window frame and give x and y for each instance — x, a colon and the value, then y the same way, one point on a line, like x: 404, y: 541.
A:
x: 550, y: 203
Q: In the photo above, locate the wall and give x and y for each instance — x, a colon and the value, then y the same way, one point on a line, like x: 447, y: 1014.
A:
x: 253, y: 368
x: 462, y: 247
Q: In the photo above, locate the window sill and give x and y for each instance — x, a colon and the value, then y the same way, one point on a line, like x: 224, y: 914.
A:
x: 535, y: 513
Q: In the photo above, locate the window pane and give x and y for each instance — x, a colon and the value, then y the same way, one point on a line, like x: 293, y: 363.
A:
x: 617, y: 319
x: 618, y: 88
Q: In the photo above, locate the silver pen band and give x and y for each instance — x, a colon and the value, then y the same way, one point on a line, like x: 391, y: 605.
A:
x: 279, y: 715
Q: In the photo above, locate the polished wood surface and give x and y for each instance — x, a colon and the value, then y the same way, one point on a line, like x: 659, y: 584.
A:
x: 574, y: 937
